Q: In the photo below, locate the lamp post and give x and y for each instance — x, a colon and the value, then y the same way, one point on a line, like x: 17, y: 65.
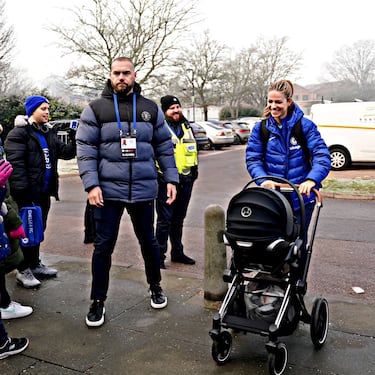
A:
x: 193, y: 92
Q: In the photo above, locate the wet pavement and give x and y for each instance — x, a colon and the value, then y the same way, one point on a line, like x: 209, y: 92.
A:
x: 137, y: 339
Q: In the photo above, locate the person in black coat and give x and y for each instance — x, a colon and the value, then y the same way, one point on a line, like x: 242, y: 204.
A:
x: 33, y: 149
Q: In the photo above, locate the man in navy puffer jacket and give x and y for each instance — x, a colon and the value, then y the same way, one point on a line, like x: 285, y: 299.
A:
x: 119, y: 138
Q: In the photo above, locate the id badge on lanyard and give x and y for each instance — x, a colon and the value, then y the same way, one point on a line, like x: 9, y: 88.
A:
x: 128, y: 142
x: 128, y: 147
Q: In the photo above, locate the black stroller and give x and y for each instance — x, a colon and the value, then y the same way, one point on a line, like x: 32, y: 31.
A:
x: 268, y: 272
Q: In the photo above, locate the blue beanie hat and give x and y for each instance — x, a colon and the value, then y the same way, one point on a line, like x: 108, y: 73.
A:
x: 33, y: 102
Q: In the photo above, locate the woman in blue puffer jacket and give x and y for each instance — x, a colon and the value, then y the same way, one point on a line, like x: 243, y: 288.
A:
x: 282, y: 154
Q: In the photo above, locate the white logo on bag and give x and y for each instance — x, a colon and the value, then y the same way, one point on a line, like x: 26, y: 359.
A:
x: 30, y: 221
x: 246, y: 211
x: 30, y: 227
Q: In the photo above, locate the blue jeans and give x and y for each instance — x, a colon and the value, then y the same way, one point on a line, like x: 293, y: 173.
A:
x: 170, y: 217
x: 107, y: 223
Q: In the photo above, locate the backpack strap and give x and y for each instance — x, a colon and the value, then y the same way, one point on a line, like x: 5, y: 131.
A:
x: 301, y: 139
x: 265, y: 133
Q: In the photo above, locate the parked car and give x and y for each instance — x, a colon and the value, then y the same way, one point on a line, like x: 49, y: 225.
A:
x: 241, y: 132
x: 250, y: 121
x: 218, y: 136
x: 200, y: 136
x: 222, y: 123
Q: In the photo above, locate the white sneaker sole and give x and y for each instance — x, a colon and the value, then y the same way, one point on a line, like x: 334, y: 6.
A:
x: 19, y: 282
x: 99, y: 323
x: 159, y: 306
x: 7, y: 316
x: 13, y: 352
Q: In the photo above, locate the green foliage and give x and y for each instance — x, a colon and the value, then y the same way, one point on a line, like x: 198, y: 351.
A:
x: 248, y: 112
x: 60, y: 110
x: 10, y: 107
x: 226, y: 113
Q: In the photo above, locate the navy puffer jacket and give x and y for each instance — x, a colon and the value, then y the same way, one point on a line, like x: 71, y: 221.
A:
x: 283, y: 156
x: 99, y: 153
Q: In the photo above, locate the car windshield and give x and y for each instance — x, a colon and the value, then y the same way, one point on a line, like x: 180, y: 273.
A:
x: 217, y: 127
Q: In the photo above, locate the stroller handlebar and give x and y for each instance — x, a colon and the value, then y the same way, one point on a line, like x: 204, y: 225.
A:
x: 286, y: 188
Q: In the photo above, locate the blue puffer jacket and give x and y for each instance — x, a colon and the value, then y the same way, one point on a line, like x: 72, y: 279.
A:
x: 284, y: 157
x: 99, y: 152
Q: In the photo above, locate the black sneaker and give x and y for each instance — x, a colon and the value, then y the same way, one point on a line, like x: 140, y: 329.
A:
x: 95, y: 317
x: 182, y: 258
x: 158, y: 299
x: 13, y: 346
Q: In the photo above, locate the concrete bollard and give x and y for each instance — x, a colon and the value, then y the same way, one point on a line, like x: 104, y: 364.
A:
x: 215, y: 254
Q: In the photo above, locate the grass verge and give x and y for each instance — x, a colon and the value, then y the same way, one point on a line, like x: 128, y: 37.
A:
x: 349, y: 186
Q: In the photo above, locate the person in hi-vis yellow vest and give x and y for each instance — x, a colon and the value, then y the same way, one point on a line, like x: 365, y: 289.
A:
x: 170, y: 217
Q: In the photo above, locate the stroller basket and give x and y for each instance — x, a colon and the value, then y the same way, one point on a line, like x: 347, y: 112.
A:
x: 260, y: 226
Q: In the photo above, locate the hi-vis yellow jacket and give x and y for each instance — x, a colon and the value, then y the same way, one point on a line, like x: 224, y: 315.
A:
x: 185, y: 149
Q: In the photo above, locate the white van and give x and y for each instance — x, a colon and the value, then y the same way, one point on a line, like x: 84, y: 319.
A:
x: 348, y: 130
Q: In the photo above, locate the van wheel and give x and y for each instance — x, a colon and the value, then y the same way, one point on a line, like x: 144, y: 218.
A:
x: 340, y: 158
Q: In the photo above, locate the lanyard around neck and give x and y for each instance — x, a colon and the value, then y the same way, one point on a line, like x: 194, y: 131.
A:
x: 115, y: 101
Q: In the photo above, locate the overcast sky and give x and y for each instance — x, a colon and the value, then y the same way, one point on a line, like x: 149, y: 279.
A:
x: 316, y: 28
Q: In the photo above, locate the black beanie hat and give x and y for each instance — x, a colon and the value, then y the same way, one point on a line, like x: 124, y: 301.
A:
x: 167, y: 101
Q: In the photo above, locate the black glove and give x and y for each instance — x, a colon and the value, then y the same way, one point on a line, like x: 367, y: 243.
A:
x: 194, y: 172
x: 71, y: 135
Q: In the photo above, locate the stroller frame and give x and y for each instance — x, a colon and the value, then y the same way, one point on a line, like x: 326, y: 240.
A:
x: 289, y: 276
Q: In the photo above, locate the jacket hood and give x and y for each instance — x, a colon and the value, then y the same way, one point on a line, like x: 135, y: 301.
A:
x: 20, y: 120
x: 108, y: 90
x: 296, y: 114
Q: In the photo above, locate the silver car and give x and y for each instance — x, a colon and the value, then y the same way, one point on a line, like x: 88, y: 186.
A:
x: 217, y: 135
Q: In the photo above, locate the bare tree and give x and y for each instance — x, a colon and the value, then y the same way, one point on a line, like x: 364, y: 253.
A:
x: 355, y: 64
x: 200, y: 68
x: 271, y: 61
x: 249, y: 72
x: 235, y: 82
x: 145, y: 31
x: 7, y: 44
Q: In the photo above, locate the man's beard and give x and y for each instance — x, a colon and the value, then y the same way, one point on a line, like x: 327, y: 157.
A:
x: 126, y: 90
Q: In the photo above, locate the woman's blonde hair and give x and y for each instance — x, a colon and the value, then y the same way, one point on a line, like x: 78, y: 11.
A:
x: 284, y: 86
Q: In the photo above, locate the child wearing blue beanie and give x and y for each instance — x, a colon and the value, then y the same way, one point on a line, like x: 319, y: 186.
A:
x: 33, y: 102
x: 33, y: 148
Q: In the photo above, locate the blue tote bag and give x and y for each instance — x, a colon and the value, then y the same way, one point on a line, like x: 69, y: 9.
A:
x: 33, y: 225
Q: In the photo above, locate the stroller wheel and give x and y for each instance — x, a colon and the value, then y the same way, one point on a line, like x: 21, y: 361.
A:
x: 278, y: 359
x: 319, y: 322
x: 222, y: 348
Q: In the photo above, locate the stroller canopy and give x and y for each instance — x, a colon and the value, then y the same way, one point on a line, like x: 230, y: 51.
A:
x: 259, y: 213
